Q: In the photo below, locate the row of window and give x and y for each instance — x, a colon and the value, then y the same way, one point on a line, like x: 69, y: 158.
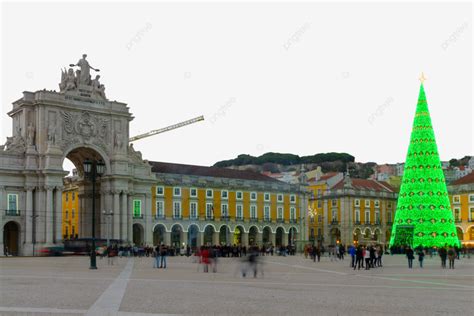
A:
x: 193, y: 192
x: 457, y: 199
x: 73, y: 196
x: 457, y: 214
x: 73, y: 214
x: 239, y: 214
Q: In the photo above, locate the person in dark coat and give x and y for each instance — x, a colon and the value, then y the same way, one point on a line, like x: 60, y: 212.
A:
x: 410, y: 256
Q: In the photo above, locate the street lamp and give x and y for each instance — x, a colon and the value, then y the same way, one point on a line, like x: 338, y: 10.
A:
x: 93, y: 170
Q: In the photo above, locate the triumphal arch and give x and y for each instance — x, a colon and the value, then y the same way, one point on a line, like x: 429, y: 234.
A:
x: 78, y: 123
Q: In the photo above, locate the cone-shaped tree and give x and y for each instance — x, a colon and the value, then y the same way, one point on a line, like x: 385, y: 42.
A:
x: 423, y: 216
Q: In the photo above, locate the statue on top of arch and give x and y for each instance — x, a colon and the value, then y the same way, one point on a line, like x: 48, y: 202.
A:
x: 81, y: 79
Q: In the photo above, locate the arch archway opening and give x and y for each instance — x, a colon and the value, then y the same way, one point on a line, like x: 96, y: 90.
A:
x: 208, y: 234
x: 176, y: 232
x: 138, y: 234
x: 237, y: 238
x: 159, y: 234
x: 224, y: 235
x: 279, y: 236
x: 266, y: 235
x: 253, y: 231
x: 11, y: 238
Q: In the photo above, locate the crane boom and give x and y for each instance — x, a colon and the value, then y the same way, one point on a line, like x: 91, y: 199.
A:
x: 166, y: 129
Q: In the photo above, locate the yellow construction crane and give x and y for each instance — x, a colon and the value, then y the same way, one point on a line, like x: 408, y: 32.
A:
x: 165, y: 129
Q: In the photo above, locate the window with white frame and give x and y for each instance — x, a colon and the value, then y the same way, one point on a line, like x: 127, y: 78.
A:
x: 253, y: 211
x: 357, y: 216
x: 357, y: 202
x: 67, y: 196
x: 253, y: 196
x: 334, y: 215
x: 377, y: 203
x: 377, y: 217
x: 320, y: 218
x: 67, y: 214
x: 280, y: 212
x: 209, y: 211
x: 280, y: 197
x: 456, y: 199
x: 160, y: 190
x: 224, y: 210
x: 224, y: 194
x: 319, y: 192
x: 239, y: 211
x: 367, y: 203
x: 334, y: 202
x: 389, y: 216
x: 292, y: 213
x: 193, y: 192
x: 457, y: 214
x: 73, y: 196
x: 193, y: 210
x: 209, y: 193
x: 320, y: 203
x: 471, y: 214
x: 367, y: 217
x: 160, y: 209
x: 471, y: 198
x: 176, y: 191
x: 266, y: 212
x: 73, y: 213
x: 292, y: 198
x: 177, y: 209
x: 12, y: 202
x: 266, y: 197
x: 239, y: 195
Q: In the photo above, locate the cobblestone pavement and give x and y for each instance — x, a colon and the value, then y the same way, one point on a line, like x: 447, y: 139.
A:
x: 65, y: 286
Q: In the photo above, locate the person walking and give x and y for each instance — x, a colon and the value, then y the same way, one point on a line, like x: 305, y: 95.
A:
x: 451, y: 256
x: 410, y: 256
x: 359, y: 257
x: 443, y: 255
x: 163, y: 254
x: 421, y: 256
x: 157, y: 257
x: 352, y: 252
x: 367, y: 258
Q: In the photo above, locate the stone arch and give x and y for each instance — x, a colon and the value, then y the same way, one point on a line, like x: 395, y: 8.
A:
x: 209, y: 224
x: 208, y: 232
x: 367, y: 233
x: 470, y: 232
x: 275, y: 228
x: 356, y: 235
x: 159, y: 231
x: 377, y: 234
x: 12, y: 237
x: 70, y: 150
x: 295, y: 228
x: 193, y: 235
x: 280, y: 232
x: 267, y: 235
x: 176, y: 232
x: 253, y: 232
x: 237, y: 234
x: 176, y: 224
x: 460, y: 233
x: 138, y: 234
x: 224, y: 234
x: 254, y: 226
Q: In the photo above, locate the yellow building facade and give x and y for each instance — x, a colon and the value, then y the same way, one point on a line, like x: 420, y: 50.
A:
x: 70, y: 210
x: 461, y: 196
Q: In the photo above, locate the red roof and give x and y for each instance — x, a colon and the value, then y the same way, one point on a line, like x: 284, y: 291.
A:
x: 328, y: 175
x: 175, y: 168
x: 465, y: 180
x: 364, y: 184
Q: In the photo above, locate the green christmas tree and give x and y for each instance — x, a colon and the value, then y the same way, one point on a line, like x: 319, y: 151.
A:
x: 423, y: 216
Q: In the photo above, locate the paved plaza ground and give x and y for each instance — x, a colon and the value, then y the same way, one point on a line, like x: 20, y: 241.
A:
x: 290, y: 285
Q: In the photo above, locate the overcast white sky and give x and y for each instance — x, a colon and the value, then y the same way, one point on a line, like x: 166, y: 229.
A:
x: 285, y: 77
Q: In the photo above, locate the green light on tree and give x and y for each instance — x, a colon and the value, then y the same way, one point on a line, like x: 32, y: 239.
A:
x: 423, y: 216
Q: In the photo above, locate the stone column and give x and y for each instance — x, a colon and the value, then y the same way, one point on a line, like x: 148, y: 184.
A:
x: 215, y: 238
x: 259, y: 238
x: 129, y: 218
x: 326, y: 232
x: 200, y: 239
x: 284, y: 238
x: 29, y: 214
x: 59, y: 214
x: 103, y: 221
x: 80, y: 217
x: 245, y: 239
x: 147, y: 218
x: 49, y: 214
x: 124, y: 219
x: 116, y: 217
x: 273, y: 238
x: 167, y: 238
x: 3, y: 207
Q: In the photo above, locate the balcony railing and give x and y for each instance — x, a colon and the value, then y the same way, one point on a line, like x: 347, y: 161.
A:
x: 356, y: 222
x: 239, y: 219
x: 12, y: 212
x: 280, y: 220
x: 377, y: 222
x: 254, y: 220
x: 138, y: 216
x: 209, y: 218
x: 193, y: 218
x: 162, y: 216
x: 225, y: 218
x: 293, y: 221
x: 267, y: 220
x: 177, y: 217
x: 367, y: 223
x: 334, y: 222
